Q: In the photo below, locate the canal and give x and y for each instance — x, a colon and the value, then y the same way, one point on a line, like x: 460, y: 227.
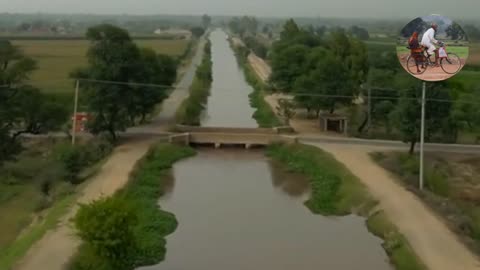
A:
x: 238, y: 210
x: 228, y: 104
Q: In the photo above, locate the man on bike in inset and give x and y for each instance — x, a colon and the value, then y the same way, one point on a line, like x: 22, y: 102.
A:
x: 428, y: 41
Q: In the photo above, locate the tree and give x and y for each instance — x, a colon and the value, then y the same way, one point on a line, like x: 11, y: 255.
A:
x: 417, y: 25
x: 107, y: 228
x: 113, y: 56
x: 287, y: 65
x: 286, y: 110
x: 206, y: 21
x: 197, y: 31
x: 472, y: 32
x: 359, y: 32
x: 407, y: 114
x: 455, y: 32
x: 154, y: 69
x: 15, y: 70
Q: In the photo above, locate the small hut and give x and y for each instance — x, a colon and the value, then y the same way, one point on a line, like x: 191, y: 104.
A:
x: 333, y: 122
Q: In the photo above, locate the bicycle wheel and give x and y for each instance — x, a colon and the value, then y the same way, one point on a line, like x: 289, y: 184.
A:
x: 452, y: 64
x: 412, y: 65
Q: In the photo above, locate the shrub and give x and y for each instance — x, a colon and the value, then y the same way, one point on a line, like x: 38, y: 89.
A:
x: 437, y: 182
x: 144, y: 224
x: 107, y: 227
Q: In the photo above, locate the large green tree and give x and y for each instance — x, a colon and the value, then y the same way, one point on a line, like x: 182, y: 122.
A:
x: 115, y: 64
x: 407, y: 114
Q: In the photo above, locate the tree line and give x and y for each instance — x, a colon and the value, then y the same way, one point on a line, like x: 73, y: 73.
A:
x: 328, y: 70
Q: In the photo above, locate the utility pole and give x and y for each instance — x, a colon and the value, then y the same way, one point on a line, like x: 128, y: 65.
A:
x: 422, y: 136
x: 369, y: 107
x: 75, y: 110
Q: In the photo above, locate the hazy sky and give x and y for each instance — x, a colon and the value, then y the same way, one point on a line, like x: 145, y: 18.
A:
x: 325, y: 8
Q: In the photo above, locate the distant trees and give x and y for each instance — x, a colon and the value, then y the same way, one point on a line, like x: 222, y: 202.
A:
x: 331, y: 69
x: 206, y: 21
x: 359, y: 32
x: 197, y: 31
x: 244, y: 25
x: 114, y: 57
x: 455, y: 32
x: 23, y: 109
x: 417, y: 25
x: 472, y: 32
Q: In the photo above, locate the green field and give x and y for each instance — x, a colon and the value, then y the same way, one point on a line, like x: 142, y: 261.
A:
x: 57, y: 58
x: 461, y: 51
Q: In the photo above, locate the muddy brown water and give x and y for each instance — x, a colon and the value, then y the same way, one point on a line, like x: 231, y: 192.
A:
x: 228, y: 104
x: 237, y: 210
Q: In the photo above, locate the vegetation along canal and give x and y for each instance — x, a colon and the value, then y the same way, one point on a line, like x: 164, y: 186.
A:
x: 238, y: 210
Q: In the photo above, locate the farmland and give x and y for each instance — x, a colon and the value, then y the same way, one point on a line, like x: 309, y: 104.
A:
x: 57, y: 58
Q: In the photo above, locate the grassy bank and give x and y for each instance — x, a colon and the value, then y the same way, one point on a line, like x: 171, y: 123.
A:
x: 39, y: 188
x: 451, y: 188
x: 264, y: 115
x: 147, y: 183
x: 189, y: 112
x: 336, y: 191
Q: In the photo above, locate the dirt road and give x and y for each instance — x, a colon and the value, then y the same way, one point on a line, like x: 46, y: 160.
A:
x: 57, y: 246
x: 431, y: 239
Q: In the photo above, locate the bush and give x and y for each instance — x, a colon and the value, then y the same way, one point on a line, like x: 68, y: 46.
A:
x: 76, y: 158
x: 106, y: 226
x: 145, y: 225
x: 437, y: 182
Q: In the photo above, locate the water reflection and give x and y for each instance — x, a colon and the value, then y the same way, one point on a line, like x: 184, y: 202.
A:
x: 228, y: 104
x: 230, y: 217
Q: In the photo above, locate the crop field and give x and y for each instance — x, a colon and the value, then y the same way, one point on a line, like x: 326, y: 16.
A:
x: 57, y: 58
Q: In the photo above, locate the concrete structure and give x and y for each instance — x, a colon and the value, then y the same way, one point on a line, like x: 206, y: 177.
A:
x: 218, y: 137
x: 333, y: 122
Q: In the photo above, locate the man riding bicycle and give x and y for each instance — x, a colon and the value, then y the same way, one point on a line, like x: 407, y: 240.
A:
x: 428, y: 41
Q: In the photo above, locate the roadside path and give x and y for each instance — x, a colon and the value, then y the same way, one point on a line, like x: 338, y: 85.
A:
x: 431, y: 239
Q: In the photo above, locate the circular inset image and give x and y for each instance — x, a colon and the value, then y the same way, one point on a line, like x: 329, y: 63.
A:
x: 432, y: 48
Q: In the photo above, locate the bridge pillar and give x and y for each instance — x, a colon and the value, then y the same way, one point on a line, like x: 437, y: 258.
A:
x: 217, y: 145
x: 248, y: 146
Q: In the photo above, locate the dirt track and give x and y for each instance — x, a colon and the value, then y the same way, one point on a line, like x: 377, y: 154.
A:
x: 431, y: 239
x: 57, y: 246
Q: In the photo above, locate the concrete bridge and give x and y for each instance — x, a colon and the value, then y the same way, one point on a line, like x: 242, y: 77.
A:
x: 220, y: 136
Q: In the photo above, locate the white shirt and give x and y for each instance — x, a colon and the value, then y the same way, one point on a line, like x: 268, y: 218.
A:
x: 429, y: 37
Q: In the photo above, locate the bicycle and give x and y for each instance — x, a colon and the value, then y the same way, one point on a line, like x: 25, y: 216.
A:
x: 449, y: 62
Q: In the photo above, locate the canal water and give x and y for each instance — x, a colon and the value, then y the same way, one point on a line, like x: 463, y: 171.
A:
x: 237, y: 210
x: 228, y: 104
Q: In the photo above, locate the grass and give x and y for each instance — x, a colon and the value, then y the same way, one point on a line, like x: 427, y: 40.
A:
x: 264, y: 115
x: 146, y: 185
x: 461, y: 51
x: 27, y: 212
x: 450, y: 188
x: 19, y: 248
x: 336, y: 191
x: 57, y: 58
x: 397, y: 247
x: 190, y: 110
